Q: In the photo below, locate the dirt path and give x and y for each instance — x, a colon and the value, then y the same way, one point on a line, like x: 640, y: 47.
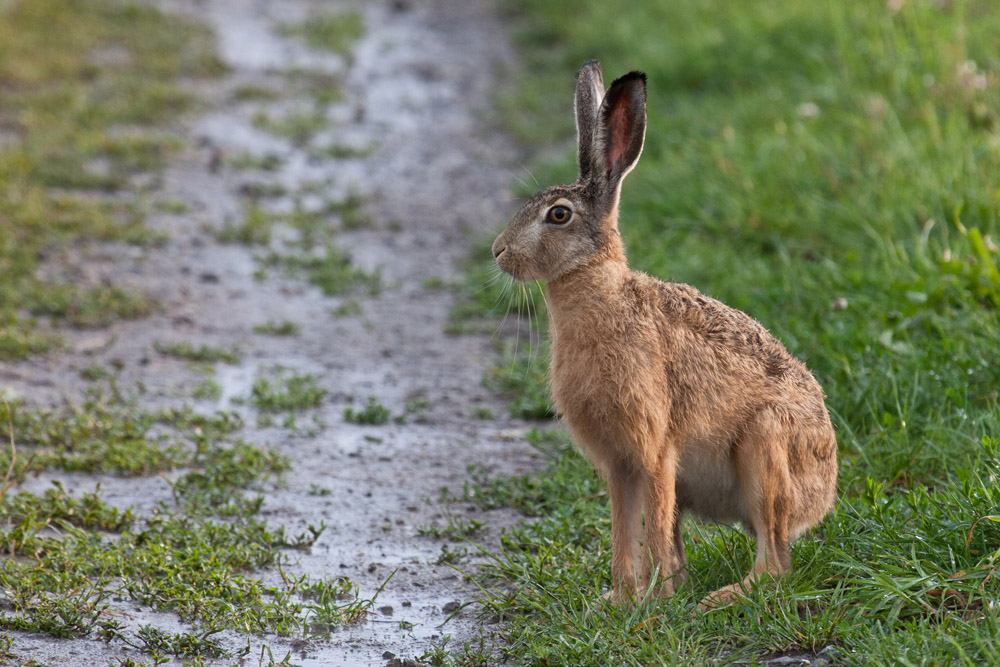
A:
x: 435, y: 177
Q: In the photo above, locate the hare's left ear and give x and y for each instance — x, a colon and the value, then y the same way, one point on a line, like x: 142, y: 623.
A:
x: 620, y: 130
x: 589, y: 93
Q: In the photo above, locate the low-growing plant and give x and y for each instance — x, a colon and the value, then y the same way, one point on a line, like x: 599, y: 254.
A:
x: 195, y: 557
x: 350, y: 210
x: 255, y: 228
x: 333, y: 32
x: 522, y: 374
x: 282, y: 391
x: 265, y: 162
x: 199, y: 353
x: 331, y: 271
x: 272, y: 328
x: 207, y: 390
x: 457, y: 528
x: 339, y: 151
x: 298, y: 127
x: 372, y: 414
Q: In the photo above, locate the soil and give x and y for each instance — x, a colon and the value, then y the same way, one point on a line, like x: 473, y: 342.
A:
x: 419, y: 86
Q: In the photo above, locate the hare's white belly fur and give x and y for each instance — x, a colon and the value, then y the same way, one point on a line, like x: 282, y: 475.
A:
x: 707, y: 485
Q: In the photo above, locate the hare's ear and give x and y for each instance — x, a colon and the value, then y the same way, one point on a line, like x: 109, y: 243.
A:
x: 589, y: 93
x: 620, y: 129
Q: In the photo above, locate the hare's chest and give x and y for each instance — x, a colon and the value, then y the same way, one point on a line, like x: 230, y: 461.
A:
x: 587, y: 370
x: 608, y: 394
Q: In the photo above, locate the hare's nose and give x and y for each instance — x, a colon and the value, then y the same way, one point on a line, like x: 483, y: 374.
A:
x: 498, y: 250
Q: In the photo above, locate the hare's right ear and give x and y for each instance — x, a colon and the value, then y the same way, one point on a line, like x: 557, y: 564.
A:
x: 619, y: 131
x: 589, y: 93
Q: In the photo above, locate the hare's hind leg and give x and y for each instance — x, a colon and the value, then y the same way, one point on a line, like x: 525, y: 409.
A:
x: 766, y: 486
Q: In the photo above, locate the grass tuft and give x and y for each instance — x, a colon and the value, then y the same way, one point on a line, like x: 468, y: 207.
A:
x: 282, y: 391
x: 373, y: 414
x: 201, y: 353
x: 332, y: 32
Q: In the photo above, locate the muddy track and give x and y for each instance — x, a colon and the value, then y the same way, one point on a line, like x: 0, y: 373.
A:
x: 435, y: 176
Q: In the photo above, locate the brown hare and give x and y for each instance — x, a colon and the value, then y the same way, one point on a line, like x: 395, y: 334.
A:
x: 682, y: 403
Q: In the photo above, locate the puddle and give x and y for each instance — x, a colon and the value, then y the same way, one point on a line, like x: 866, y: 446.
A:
x: 235, y: 384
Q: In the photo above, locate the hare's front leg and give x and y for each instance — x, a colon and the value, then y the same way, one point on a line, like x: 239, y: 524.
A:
x: 625, y: 490
x: 663, y: 540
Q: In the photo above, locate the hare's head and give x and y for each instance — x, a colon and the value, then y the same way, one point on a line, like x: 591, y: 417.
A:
x: 564, y: 226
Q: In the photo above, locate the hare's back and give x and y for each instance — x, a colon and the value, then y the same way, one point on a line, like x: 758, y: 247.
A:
x: 728, y: 352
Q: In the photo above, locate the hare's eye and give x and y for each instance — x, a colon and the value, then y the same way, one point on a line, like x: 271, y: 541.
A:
x: 558, y: 215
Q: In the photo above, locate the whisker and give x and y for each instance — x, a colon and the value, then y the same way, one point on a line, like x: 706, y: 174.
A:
x: 538, y: 336
x: 537, y: 184
x: 496, y: 277
x: 532, y: 350
x: 517, y: 336
x: 520, y: 180
x: 506, y: 295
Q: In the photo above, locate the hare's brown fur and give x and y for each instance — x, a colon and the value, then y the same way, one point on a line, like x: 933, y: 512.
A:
x: 682, y: 403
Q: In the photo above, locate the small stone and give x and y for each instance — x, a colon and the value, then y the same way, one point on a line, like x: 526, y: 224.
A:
x: 386, y: 610
x: 451, y: 607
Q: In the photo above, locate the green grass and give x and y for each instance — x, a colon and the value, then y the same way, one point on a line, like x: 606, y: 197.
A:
x: 75, y: 558
x: 208, y: 389
x: 105, y: 433
x: 87, y: 307
x: 282, y: 328
x: 199, y: 353
x: 251, y: 92
x: 84, y: 95
x: 255, y: 229
x: 297, y: 127
x: 313, y: 254
x: 339, y: 151
x: 455, y: 529
x: 281, y: 391
x: 350, y: 210
x: 331, y: 271
x: 372, y: 414
x: 828, y: 167
x: 265, y: 162
x: 522, y: 376
x: 332, y: 32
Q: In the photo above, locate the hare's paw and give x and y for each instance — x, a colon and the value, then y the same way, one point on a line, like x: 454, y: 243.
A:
x: 723, y: 597
x: 617, y: 597
x: 663, y: 589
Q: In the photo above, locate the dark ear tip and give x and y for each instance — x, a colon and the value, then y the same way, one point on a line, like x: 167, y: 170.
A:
x: 634, y: 75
